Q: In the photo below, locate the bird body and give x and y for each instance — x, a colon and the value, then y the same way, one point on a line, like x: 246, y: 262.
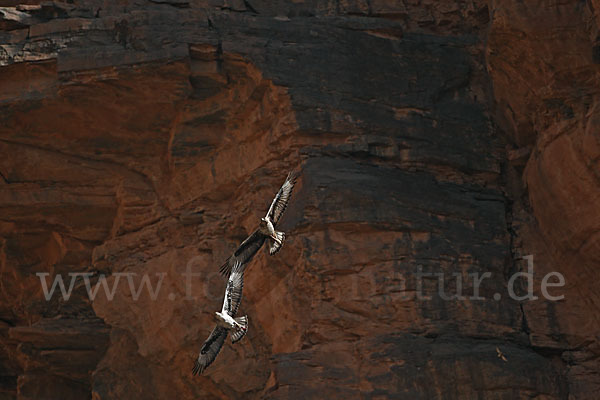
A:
x: 266, y: 227
x: 224, y: 320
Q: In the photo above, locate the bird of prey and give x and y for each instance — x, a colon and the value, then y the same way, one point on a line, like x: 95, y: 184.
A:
x: 501, y: 355
x: 266, y: 228
x: 226, y: 321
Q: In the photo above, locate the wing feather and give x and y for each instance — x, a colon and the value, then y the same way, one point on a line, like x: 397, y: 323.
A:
x: 244, y: 253
x: 233, y: 293
x: 282, y: 198
x: 210, y: 349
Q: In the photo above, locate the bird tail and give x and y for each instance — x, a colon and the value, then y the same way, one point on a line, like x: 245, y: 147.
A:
x: 240, y: 333
x: 276, y: 244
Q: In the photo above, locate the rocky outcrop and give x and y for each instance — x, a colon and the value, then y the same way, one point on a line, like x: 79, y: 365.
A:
x: 545, y: 74
x: 144, y: 139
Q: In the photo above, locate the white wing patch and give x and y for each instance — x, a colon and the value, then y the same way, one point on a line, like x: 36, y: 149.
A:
x: 233, y: 293
x: 281, y: 198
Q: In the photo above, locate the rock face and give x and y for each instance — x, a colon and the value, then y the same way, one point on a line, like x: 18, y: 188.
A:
x: 438, y: 142
x: 549, y: 110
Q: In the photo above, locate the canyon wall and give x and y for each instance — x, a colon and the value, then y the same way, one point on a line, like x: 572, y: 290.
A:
x: 147, y: 138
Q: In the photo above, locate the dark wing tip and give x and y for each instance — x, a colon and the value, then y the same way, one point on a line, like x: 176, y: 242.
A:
x: 198, y: 368
x: 293, y: 176
x: 225, y: 269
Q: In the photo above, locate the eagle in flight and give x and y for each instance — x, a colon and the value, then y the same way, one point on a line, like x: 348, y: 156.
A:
x: 266, y: 229
x: 226, y: 321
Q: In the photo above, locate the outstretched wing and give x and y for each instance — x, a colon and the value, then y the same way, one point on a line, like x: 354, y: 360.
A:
x: 233, y: 293
x: 210, y: 349
x: 245, y: 252
x: 281, y: 199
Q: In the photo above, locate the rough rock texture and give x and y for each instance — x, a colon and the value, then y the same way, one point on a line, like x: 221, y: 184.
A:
x: 546, y: 77
x: 147, y: 137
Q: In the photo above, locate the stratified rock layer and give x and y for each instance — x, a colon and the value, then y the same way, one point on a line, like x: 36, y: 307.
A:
x: 145, y: 139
